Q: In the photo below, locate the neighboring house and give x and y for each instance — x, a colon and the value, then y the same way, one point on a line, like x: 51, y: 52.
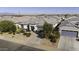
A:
x: 36, y: 22
x: 69, y: 33
x: 24, y: 26
x: 32, y: 26
x: 18, y: 25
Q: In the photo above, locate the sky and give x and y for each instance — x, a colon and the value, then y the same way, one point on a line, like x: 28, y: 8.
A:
x: 39, y: 10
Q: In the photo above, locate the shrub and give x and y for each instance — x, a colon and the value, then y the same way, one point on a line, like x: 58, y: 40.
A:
x: 28, y: 34
x: 18, y: 31
x: 52, y: 38
x: 47, y: 29
x: 24, y: 33
x: 13, y: 33
x: 56, y: 34
x: 7, y: 26
x: 50, y: 32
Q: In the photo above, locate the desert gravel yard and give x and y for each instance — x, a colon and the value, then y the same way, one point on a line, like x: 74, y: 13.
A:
x: 32, y: 41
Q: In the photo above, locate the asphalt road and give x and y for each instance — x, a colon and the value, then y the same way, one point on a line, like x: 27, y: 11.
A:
x: 10, y: 46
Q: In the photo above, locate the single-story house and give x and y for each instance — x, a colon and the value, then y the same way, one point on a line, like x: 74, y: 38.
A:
x: 25, y: 26
x: 31, y: 26
x: 69, y: 34
x: 36, y: 23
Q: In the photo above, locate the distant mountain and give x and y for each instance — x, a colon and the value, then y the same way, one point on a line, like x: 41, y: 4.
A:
x: 8, y: 14
x: 4, y: 13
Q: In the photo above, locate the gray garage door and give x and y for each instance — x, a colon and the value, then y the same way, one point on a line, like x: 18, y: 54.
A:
x: 67, y: 40
x: 69, y: 33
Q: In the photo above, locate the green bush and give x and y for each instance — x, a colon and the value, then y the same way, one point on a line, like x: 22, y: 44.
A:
x: 24, y: 33
x: 56, y: 34
x: 28, y: 34
x: 51, y: 33
x: 52, y: 38
x: 13, y: 33
x: 7, y: 26
x: 18, y: 31
x: 47, y: 29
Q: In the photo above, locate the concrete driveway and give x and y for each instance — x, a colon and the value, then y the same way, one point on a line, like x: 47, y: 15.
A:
x: 68, y: 44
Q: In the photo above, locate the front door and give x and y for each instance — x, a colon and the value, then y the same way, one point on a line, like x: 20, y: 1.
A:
x: 32, y: 28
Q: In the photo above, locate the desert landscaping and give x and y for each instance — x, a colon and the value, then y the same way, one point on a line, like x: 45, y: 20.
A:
x: 33, y: 40
x: 41, y: 32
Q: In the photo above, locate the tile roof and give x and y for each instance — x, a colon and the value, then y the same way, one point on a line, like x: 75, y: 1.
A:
x: 70, y: 23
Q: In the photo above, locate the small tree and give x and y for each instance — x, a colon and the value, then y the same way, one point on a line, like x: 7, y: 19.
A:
x: 47, y: 29
x: 56, y: 34
x: 7, y: 26
x: 50, y: 33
